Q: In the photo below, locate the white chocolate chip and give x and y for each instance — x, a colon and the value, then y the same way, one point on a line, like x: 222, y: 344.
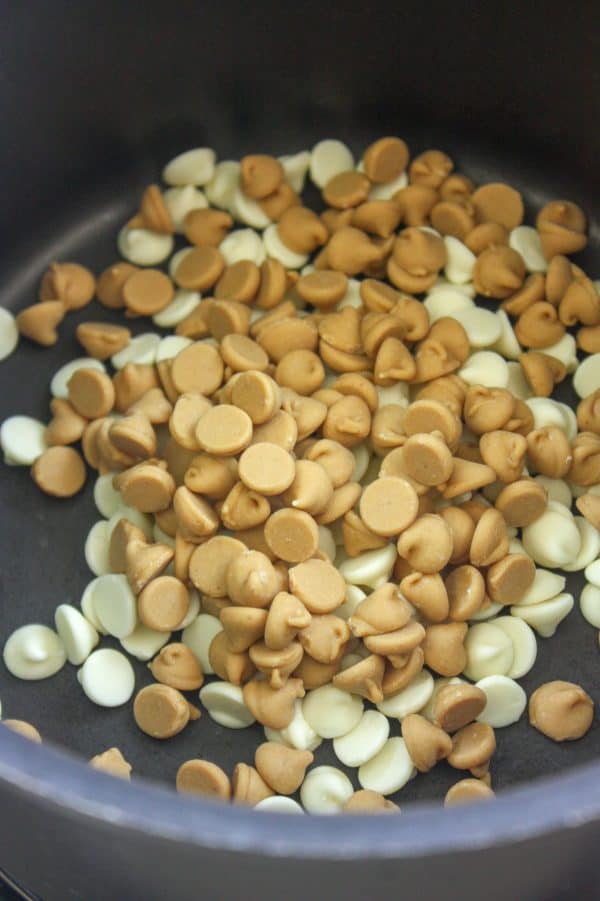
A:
x: 354, y: 595
x: 546, y: 616
x: 115, y: 605
x: 220, y: 189
x: 144, y: 247
x: 144, y: 643
x: 198, y: 637
x: 325, y: 790
x: 106, y: 497
x: 87, y: 606
x: 523, y: 641
x: 329, y: 158
x: 275, y: 248
x: 22, y: 439
x: 9, y: 333
x: 589, y: 602
x: 553, y: 540
x: 141, y: 350
x: 489, y: 652
x: 331, y: 712
x: 96, y: 548
x: 243, y: 244
x: 34, y: 652
x: 279, y: 804
x: 141, y: 520
x: 362, y: 459
x: 298, y: 734
x: 181, y: 201
x: 178, y: 258
x: 352, y: 296
x: 564, y: 350
x: 107, y: 678
x: 507, y: 344
x: 247, y: 210
x: 386, y: 190
x: 446, y: 301
x: 460, y: 261
x: 391, y: 394
x: 371, y: 568
x: 505, y: 703
x: 183, y: 303
x: 170, y: 346
x: 327, y: 542
x: 590, y: 545
x: 485, y: 368
x: 193, y: 608
x: 482, y: 326
x: 77, y: 635
x: 295, y: 168
x: 224, y: 703
x: 59, y: 386
x: 558, y: 489
x: 442, y: 284
x: 592, y: 573
x: 587, y: 376
x: 364, y: 741
x: 389, y: 770
x: 193, y: 167
x: 411, y: 699
x: 526, y: 241
x: 545, y: 585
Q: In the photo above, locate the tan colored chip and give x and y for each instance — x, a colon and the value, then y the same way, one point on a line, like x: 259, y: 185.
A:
x: 91, y: 393
x: 66, y: 425
x: 70, y: 283
x: 198, y: 367
x: 466, y: 791
x: 346, y: 190
x: 109, y: 287
x: 207, y: 226
x: 163, y: 604
x: 176, y: 665
x: 224, y: 430
x: 39, y: 322
x: 318, y: 585
x: 147, y: 292
x: 243, y: 354
x: 292, y: 535
x: 240, y: 282
x: 200, y: 269
x: 59, y: 471
x: 187, y: 412
x: 266, y: 468
x: 209, y: 564
x: 561, y: 710
x: 386, y: 159
x: 388, y: 505
x: 455, y: 706
x: 498, y: 202
x: 260, y: 175
x: 160, y: 711
x: 102, y: 339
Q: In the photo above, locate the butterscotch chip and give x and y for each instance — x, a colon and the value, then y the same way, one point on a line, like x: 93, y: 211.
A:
x: 472, y: 746
x: 147, y: 292
x: 342, y: 500
x: 455, y: 706
x: 426, y: 743
x: 110, y: 457
x: 385, y: 159
x: 280, y: 200
x: 318, y: 585
x: 154, y: 406
x: 367, y: 801
x: 260, y: 175
x: 585, y: 469
x: 376, y: 217
x: 39, y: 322
x: 497, y: 202
x: 196, y: 517
x: 426, y: 592
x: 351, y: 251
x: 195, y: 325
x: 273, y: 707
x: 348, y: 421
x: 224, y: 430
x: 387, y: 432
x: 389, y: 505
x: 498, y: 272
x: 308, y: 412
x: 322, y: 289
x: 282, y: 768
x: 113, y: 762
x: 505, y: 452
x: 336, y: 219
x: 226, y: 317
x: 484, y: 236
x: 462, y: 527
x: 346, y: 190
x: 273, y: 284
x: 239, y: 282
x: 427, y: 459
x: 467, y: 476
x: 257, y: 395
x: 549, y: 451
x: 109, y: 287
x: 266, y: 468
x: 301, y: 230
x: 198, y: 367
x: 203, y: 778
x: 337, y: 461
x: 589, y: 506
x: 397, y: 678
x: 539, y: 326
x: 146, y: 487
x: 200, y: 269
x: 562, y: 711
x: 300, y: 370
x: 289, y: 333
x: 277, y: 666
x: 102, y: 339
x: 466, y: 589
x: 444, y: 648
x: 311, y: 488
x: 292, y: 535
x: 66, y: 425
x: 561, y: 226
x: 59, y: 471
x: 91, y: 393
x: 163, y: 603
x: 452, y: 336
x: 176, y: 665
x: 153, y: 213
x: 426, y: 544
x: 509, y: 578
x: 206, y: 226
x: 243, y: 354
x: 252, y: 580
x: 209, y: 564
x: 490, y: 539
x: 211, y: 476
x: 532, y: 291
x: 122, y: 534
x: 281, y: 429
x: 160, y: 711
x: 187, y: 412
x: 430, y: 168
x: 71, y: 283
x: 247, y: 786
x: 131, y: 383
x: 452, y: 217
x: 466, y: 791
x: 229, y: 666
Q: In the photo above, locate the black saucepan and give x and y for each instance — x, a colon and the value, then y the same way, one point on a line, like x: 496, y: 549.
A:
x: 95, y: 97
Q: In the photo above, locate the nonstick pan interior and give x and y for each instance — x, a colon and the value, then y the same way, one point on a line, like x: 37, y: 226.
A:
x: 41, y: 539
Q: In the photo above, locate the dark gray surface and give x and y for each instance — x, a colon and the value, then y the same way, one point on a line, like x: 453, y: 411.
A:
x: 95, y: 97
